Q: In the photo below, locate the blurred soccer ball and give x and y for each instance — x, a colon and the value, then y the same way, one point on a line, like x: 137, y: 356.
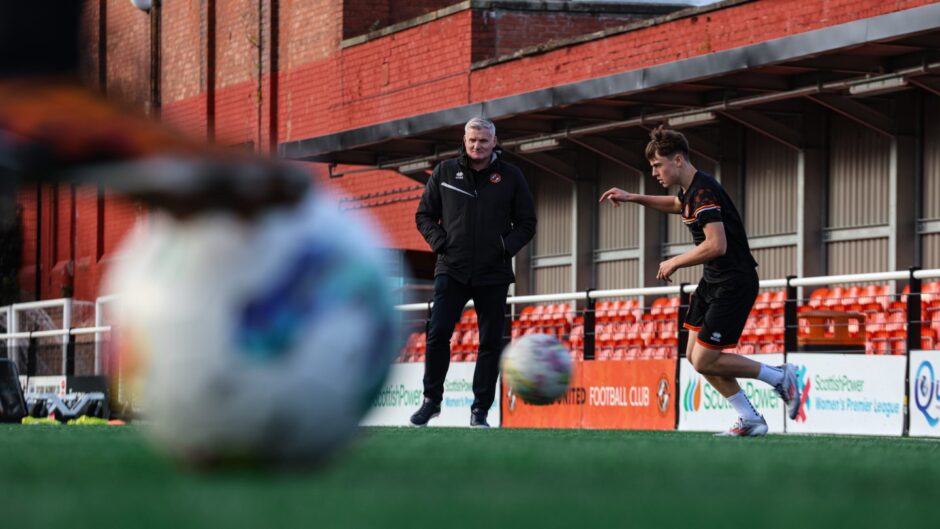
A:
x: 537, y: 368
x: 254, y: 341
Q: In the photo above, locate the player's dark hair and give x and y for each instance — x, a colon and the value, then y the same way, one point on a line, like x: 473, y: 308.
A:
x: 667, y: 143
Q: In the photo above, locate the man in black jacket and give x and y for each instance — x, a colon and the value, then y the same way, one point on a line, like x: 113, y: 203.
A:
x: 476, y: 213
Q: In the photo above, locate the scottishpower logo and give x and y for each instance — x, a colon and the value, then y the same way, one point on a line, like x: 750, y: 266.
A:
x: 927, y: 392
x: 692, y: 400
x: 802, y: 381
x: 700, y: 396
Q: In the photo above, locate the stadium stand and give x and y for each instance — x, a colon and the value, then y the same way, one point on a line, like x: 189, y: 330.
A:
x: 855, y: 316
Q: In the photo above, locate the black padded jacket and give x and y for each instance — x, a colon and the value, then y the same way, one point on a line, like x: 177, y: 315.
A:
x: 475, y: 221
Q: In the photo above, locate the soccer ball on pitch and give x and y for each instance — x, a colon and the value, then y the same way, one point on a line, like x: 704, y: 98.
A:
x: 537, y: 368
x: 262, y: 341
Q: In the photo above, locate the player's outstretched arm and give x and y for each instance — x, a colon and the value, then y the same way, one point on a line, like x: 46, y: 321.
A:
x: 668, y: 204
x: 715, y: 245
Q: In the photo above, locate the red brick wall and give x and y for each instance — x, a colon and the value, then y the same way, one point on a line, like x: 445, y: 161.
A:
x: 88, y: 268
x: 90, y: 33
x: 238, y: 45
x: 498, y: 33
x: 183, y: 76
x: 322, y: 88
x: 363, y: 16
x: 388, y: 198
x: 61, y: 216
x: 430, y: 69
x: 396, y: 76
x: 128, y: 61
x: 27, y: 200
x: 299, y: 44
x: 74, y: 231
x: 740, y: 25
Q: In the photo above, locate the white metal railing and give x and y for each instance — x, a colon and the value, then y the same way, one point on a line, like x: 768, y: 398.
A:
x: 13, y: 337
x: 670, y: 290
x: 100, y: 324
x: 15, y: 320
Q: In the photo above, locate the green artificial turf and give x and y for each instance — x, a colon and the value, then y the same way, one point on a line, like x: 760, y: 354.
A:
x: 73, y: 477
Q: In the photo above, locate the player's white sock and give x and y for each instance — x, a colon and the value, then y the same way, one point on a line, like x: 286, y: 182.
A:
x: 770, y: 374
x: 743, y: 406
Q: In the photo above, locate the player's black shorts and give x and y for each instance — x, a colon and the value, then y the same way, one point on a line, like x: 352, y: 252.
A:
x: 719, y: 311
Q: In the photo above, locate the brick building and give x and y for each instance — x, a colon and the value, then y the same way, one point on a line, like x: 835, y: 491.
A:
x: 375, y: 92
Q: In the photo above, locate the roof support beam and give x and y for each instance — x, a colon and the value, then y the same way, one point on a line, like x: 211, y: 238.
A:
x: 523, y: 124
x: 349, y: 158
x: 410, y: 146
x: 548, y: 163
x: 930, y: 84
x: 613, y: 152
x: 668, y: 99
x: 771, y: 128
x: 853, y: 64
x: 856, y: 111
x: 587, y: 112
x: 748, y: 81
x: 823, y: 94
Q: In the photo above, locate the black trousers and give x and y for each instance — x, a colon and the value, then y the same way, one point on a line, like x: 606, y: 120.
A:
x: 450, y: 296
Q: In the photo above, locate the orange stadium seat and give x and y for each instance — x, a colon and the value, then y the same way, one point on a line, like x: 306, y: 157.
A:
x: 636, y: 307
x: 626, y: 312
x: 928, y: 338
x: 930, y: 292
x: 523, y: 319
x: 874, y: 298
x: 834, y: 298
x: 762, y: 303
x: 602, y: 311
x: 657, y: 310
x: 563, y: 316
x: 576, y: 337
x: 879, y: 343
x: 817, y: 297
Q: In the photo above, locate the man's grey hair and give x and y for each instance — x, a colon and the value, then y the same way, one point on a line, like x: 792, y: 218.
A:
x: 480, y: 124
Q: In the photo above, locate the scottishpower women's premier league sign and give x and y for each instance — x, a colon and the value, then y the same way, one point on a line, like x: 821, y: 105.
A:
x: 849, y: 394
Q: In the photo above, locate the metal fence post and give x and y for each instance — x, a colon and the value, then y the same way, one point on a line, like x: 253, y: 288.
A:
x: 70, y: 355
x: 790, y: 323
x: 683, y: 344
x: 589, y: 326
x: 682, y: 338
x: 31, y: 357
x: 913, y: 311
x: 913, y: 342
